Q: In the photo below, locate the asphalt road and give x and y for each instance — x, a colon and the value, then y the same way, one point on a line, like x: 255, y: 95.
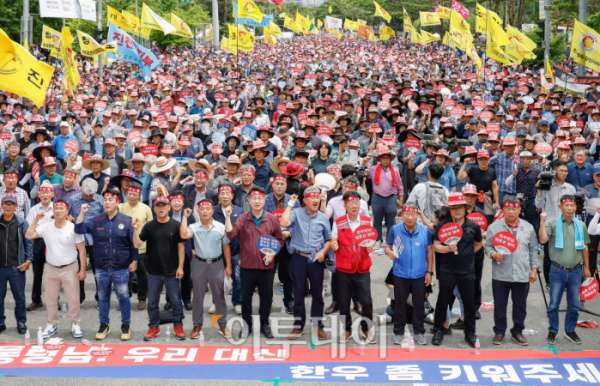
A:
x: 536, y: 320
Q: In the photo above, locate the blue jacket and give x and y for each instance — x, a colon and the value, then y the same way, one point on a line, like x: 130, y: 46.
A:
x: 113, y: 248
x: 412, y: 253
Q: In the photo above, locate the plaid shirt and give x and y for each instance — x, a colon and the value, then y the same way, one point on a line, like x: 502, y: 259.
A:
x: 61, y: 194
x: 270, y: 202
x: 96, y: 207
x: 23, y: 201
x: 504, y: 167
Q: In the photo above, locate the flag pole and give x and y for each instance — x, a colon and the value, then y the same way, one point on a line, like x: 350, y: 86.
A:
x: 487, y: 36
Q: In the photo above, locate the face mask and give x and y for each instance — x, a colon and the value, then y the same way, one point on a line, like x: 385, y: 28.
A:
x: 205, y: 127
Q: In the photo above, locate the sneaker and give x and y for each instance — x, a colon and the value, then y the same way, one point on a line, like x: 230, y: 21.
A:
x: 179, y: 333
x: 551, y: 339
x: 385, y: 319
x: 398, y: 339
x: 152, y: 333
x: 103, y: 331
x: 76, y: 331
x: 429, y: 319
x: 142, y: 305
x: 212, y: 309
x: 125, y: 331
x: 572, y: 336
x: 420, y: 339
x: 238, y: 309
x: 49, y: 331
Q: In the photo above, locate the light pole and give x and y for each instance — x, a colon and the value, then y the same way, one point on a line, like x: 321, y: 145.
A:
x: 215, y: 12
x: 583, y: 4
x: 100, y: 57
x: 26, y: 23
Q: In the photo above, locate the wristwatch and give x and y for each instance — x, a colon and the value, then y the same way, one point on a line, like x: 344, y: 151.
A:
x: 429, y: 272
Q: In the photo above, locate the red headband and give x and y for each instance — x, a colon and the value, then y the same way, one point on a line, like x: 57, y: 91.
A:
x: 348, y: 183
x: 225, y: 187
x: 163, y: 200
x: 201, y: 174
x: 566, y: 200
x: 312, y: 195
x: 177, y: 197
x: 134, y: 190
x: 63, y: 204
x: 247, y: 170
x: 205, y: 203
x: 279, y: 178
x: 74, y: 175
x: 351, y: 198
x: 334, y: 169
x: 46, y: 189
x: 109, y: 194
x: 512, y: 205
x: 257, y: 193
x: 409, y: 209
x: 11, y: 175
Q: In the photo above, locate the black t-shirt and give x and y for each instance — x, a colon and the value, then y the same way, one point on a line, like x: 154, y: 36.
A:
x: 464, y: 261
x: 479, y: 255
x: 481, y: 179
x: 162, y: 251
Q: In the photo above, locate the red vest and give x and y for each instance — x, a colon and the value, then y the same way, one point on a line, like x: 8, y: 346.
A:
x: 351, y: 257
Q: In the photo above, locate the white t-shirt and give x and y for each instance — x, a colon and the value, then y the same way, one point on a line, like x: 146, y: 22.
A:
x: 60, y: 243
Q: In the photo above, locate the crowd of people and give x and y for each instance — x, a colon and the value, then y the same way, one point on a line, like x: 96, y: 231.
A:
x: 169, y: 181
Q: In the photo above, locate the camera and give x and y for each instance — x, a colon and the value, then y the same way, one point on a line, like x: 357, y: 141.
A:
x: 545, y: 179
x: 579, y: 201
x: 351, y: 171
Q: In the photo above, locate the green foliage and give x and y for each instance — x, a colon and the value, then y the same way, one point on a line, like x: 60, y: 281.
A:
x: 593, y: 21
x: 557, y: 49
x: 10, y: 20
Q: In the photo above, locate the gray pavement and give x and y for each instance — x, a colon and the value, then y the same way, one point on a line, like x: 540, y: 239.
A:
x: 536, y: 320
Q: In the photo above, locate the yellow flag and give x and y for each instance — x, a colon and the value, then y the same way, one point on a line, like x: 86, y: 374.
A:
x: 498, y: 54
x: 291, y: 24
x: 408, y: 27
x: 51, y: 40
x: 24, y: 75
x: 372, y: 38
x: 182, y: 29
x: 319, y: 23
x: 274, y: 29
x: 428, y: 38
x: 460, y: 31
x: 446, y: 40
x: 481, y: 18
x: 472, y: 53
x: 150, y: 20
x: 133, y: 20
x: 330, y: 9
x: 549, y: 69
x: 387, y: 31
x: 226, y: 47
x: 430, y: 18
x: 303, y: 21
x: 118, y: 19
x: 336, y: 33
x: 242, y: 40
x: 444, y: 12
x: 361, y: 22
x: 66, y: 54
x: 458, y: 22
x: 247, y: 8
x: 381, y: 12
x: 514, y: 33
x: 383, y: 36
x: 517, y: 52
x: 416, y: 37
x: 90, y: 47
x: 7, y: 49
x: 351, y: 25
x: 270, y: 40
x: 497, y: 34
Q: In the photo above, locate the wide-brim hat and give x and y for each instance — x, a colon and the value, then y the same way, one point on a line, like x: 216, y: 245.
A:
x: 195, y: 164
x: 402, y: 136
x: 259, y: 145
x: 43, y: 145
x: 157, y: 132
x: 163, y: 164
x: 138, y: 157
x: 275, y: 165
x: 292, y: 168
x: 456, y: 199
x: 232, y: 159
x: 237, y: 139
x: 87, y: 163
x: 116, y: 180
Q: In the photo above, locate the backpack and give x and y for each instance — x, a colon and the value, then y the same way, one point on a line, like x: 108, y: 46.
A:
x: 436, y: 199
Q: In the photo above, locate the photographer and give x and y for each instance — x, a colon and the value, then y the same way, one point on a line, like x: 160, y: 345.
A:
x: 548, y: 201
x: 359, y: 174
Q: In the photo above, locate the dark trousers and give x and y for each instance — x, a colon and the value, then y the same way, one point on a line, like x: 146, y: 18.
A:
x: 263, y: 280
x: 402, y: 288
x: 39, y: 259
x: 142, y: 278
x: 90, y: 252
x: 335, y: 291
x: 518, y: 293
x: 302, y: 270
x: 283, y: 260
x: 547, y: 264
x: 465, y: 284
x: 346, y: 283
x: 532, y: 216
x: 384, y: 207
x: 185, y: 282
x: 155, y: 285
x: 16, y: 279
x: 478, y: 274
x: 593, y: 248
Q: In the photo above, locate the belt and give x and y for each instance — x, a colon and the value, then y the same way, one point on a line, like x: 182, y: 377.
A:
x: 528, y: 198
x: 303, y: 254
x: 209, y: 261
x: 568, y: 269
x: 63, y: 266
x: 391, y: 195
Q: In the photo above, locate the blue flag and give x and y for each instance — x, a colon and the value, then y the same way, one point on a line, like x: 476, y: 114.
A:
x: 129, y: 51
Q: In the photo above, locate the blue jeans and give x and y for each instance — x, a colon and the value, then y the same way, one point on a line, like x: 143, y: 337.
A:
x: 559, y: 279
x: 120, y: 279
x: 384, y: 207
x: 236, y: 297
x: 460, y: 303
x: 155, y: 284
x: 16, y: 279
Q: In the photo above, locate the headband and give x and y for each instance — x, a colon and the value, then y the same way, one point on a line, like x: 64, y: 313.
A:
x: 225, y: 187
x: 351, y: 184
x: 351, y: 198
x: 566, y: 200
x: 512, y: 205
x: 109, y: 194
x: 74, y: 175
x: 334, y: 169
x: 11, y: 174
x: 205, y: 203
x: 177, y: 197
x: 409, y: 209
x: 134, y: 190
x: 312, y: 195
x: 279, y: 178
x: 201, y: 174
x: 257, y: 193
x: 62, y: 204
x: 247, y: 170
x: 164, y: 200
x: 46, y: 189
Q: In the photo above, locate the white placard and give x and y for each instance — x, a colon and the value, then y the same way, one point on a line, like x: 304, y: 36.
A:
x: 88, y: 10
x: 59, y: 8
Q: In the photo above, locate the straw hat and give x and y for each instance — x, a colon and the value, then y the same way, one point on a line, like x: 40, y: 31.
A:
x: 162, y: 164
x: 95, y: 158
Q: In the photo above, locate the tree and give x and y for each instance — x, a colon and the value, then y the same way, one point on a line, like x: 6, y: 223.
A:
x: 10, y: 20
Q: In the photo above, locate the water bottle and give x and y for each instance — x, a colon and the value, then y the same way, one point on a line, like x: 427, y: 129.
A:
x: 530, y: 332
x: 168, y: 334
x: 64, y: 310
x: 477, y: 347
x: 27, y: 338
x: 282, y: 309
x: 411, y: 344
x: 201, y: 339
x: 362, y: 347
x: 86, y: 342
x: 40, y: 340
